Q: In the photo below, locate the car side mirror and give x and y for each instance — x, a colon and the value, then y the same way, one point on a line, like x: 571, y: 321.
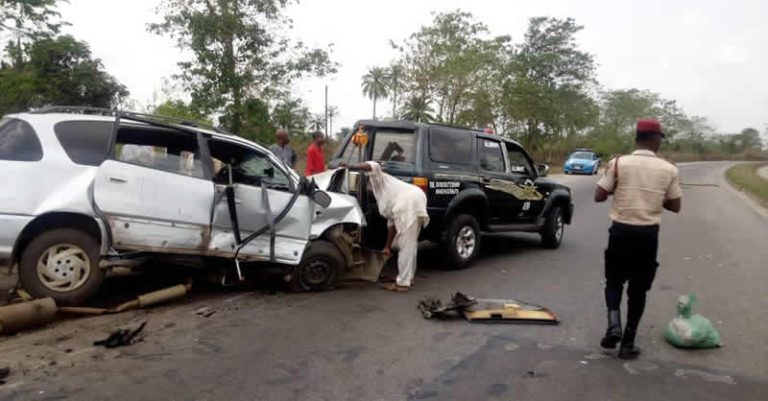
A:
x: 543, y: 170
x: 321, y: 198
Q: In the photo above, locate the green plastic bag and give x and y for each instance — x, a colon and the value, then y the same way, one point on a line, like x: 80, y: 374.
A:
x: 691, y: 331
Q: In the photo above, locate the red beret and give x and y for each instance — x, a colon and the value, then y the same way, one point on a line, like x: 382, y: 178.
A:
x: 649, y: 125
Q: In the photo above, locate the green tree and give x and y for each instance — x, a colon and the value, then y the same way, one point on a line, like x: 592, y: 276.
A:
x: 292, y: 115
x: 28, y: 20
x: 317, y: 123
x: 549, y: 74
x: 395, y: 84
x: 749, y: 138
x: 418, y: 109
x: 375, y: 85
x: 58, y: 71
x: 333, y: 112
x: 451, y: 61
x: 239, y: 52
x: 180, y: 109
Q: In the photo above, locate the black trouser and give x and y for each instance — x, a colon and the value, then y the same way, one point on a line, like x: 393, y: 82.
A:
x: 630, y: 257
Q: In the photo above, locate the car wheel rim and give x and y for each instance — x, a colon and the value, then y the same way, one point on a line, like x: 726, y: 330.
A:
x: 316, y: 272
x: 466, y: 240
x: 559, y: 227
x: 63, y: 267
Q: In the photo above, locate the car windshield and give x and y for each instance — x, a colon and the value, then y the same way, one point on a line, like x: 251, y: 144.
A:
x: 582, y: 155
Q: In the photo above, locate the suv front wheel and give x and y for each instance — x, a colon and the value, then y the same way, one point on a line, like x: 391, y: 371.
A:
x: 62, y: 264
x: 319, y: 268
x: 462, y: 243
x: 554, y: 228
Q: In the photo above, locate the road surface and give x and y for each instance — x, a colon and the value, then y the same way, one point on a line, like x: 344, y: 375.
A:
x: 362, y: 343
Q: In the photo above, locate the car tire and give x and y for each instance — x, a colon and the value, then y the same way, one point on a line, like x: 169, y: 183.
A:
x: 62, y: 264
x: 462, y: 241
x: 319, y: 268
x: 554, y: 229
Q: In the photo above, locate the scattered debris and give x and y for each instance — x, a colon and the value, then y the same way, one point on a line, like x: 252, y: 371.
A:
x: 26, y: 315
x: 532, y: 374
x: 511, y: 347
x: 486, y: 310
x: 596, y: 356
x: 142, y: 301
x: 709, y: 377
x: 122, y: 337
x: 205, y: 311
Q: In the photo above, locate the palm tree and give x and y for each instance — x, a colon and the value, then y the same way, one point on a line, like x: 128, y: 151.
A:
x: 317, y: 123
x: 418, y: 109
x: 333, y: 112
x: 375, y: 85
x: 394, y: 84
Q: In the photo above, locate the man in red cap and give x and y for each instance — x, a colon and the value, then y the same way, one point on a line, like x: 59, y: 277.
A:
x: 642, y: 185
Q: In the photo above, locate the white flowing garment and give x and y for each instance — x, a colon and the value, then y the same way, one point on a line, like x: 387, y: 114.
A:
x: 405, y: 207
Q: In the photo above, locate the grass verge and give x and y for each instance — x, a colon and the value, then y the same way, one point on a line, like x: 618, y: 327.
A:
x: 745, y: 177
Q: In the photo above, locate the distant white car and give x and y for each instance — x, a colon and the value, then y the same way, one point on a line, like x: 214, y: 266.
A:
x: 88, y: 189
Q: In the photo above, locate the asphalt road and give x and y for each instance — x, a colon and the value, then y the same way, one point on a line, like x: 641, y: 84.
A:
x: 362, y: 343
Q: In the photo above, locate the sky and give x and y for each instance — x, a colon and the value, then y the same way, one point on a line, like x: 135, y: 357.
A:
x: 709, y: 55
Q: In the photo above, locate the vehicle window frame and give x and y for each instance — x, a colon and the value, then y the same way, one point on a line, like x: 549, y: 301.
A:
x: 531, y: 165
x: 201, y: 153
x: 502, y: 148
x: 278, y: 164
x: 372, y: 146
x: 25, y: 124
x: 437, y: 131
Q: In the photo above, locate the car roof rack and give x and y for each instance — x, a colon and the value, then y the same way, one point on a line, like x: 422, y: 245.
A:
x: 141, y: 117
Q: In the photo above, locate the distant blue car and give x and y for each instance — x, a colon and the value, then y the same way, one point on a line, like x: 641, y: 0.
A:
x: 582, y: 161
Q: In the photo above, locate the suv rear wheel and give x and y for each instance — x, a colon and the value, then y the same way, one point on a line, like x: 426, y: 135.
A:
x: 554, y: 228
x: 462, y: 241
x: 62, y: 264
x: 319, y: 268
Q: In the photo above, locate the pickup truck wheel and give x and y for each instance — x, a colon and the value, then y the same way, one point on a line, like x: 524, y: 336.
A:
x: 62, y: 264
x: 554, y: 228
x: 462, y: 243
x: 319, y: 268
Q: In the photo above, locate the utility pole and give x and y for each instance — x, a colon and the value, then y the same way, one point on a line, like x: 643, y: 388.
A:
x: 326, y: 111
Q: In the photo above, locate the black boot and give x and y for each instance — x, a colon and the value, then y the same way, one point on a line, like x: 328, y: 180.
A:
x: 613, y: 334
x: 628, y: 349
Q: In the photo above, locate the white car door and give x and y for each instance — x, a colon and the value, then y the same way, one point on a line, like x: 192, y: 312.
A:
x: 254, y: 171
x: 154, y: 193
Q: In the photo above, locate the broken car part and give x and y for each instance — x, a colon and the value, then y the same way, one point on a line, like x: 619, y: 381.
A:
x: 121, y: 338
x: 487, y: 310
x: 26, y: 315
x: 142, y: 301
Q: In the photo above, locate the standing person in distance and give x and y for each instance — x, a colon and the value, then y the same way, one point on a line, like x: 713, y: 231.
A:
x: 315, y: 158
x: 281, y: 149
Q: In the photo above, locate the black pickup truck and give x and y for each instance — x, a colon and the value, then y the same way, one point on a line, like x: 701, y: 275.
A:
x: 475, y: 183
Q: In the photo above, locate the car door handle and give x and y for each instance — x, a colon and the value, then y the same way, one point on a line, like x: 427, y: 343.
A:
x: 118, y: 180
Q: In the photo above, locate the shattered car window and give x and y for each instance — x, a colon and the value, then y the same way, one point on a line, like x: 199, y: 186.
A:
x: 518, y: 163
x: 173, y: 152
x: 249, y: 167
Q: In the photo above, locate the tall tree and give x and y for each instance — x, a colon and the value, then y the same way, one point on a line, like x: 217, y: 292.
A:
x: 451, y: 60
x: 375, y: 85
x: 548, y: 74
x: 333, y: 112
x: 317, y: 123
x: 292, y: 115
x: 418, y: 109
x: 239, y: 51
x: 395, y: 84
x: 180, y: 109
x: 28, y: 20
x: 58, y: 71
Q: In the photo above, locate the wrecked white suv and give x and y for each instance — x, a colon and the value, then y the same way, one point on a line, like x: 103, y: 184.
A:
x: 85, y: 190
